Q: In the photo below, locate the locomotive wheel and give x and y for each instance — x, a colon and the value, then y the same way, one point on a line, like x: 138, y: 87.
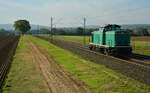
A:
x: 101, y: 50
x: 106, y: 52
x: 91, y: 47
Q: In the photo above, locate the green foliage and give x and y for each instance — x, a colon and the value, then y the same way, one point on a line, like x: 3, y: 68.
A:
x: 139, y: 31
x: 5, y: 32
x: 69, y: 31
x: 39, y: 31
x: 22, y: 25
x: 79, y: 31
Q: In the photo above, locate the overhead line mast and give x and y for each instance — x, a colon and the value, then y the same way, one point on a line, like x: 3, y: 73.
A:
x: 51, y: 28
x: 84, y: 31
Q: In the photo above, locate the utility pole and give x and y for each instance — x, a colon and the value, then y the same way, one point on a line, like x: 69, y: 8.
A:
x: 51, y: 28
x: 84, y: 28
x: 38, y: 29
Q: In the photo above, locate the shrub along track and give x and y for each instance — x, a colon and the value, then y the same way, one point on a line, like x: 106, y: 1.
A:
x: 8, y: 46
x: 58, y: 80
x: 136, y: 71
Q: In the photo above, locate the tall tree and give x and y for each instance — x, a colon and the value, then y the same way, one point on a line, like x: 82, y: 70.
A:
x: 22, y: 26
x: 79, y: 31
x: 141, y: 32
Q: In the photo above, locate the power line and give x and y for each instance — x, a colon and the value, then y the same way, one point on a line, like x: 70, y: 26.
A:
x: 58, y: 21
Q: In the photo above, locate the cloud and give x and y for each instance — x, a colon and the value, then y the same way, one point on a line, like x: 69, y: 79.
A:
x: 71, y: 12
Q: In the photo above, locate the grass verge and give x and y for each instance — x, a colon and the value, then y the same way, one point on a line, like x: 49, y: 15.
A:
x: 141, y: 47
x: 23, y: 76
x: 99, y: 78
x: 77, y: 39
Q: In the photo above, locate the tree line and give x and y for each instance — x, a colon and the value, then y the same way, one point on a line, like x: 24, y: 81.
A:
x: 6, y: 32
x: 80, y: 31
x: 140, y: 31
x: 23, y: 27
x: 76, y: 31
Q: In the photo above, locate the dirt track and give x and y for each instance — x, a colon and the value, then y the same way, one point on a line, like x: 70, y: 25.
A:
x: 57, y: 79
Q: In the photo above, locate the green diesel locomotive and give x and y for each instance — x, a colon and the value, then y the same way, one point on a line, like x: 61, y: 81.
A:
x: 111, y: 40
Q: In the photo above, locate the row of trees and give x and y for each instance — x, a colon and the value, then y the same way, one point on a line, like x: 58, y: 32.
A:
x: 23, y: 27
x: 6, y: 32
x: 79, y: 31
x: 76, y: 31
x: 140, y: 32
x: 61, y: 31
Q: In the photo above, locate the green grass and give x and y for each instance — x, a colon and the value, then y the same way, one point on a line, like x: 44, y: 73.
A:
x: 99, y: 78
x: 77, y: 39
x: 23, y: 76
x: 139, y: 47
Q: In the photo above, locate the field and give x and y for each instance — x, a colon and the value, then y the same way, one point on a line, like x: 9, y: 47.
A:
x: 8, y: 46
x: 142, y: 38
x: 78, y: 39
x: 30, y: 73
x: 140, y: 45
x: 97, y: 77
x: 35, y: 57
x: 23, y: 76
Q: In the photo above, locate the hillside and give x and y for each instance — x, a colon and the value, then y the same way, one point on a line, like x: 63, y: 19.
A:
x: 130, y: 26
x: 10, y: 26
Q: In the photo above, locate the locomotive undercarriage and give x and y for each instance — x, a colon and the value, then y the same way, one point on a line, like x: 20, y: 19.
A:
x: 123, y: 50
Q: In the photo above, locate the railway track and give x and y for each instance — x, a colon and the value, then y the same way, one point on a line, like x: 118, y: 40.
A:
x: 130, y: 59
x: 140, y: 62
x: 6, y: 56
x: 133, y: 68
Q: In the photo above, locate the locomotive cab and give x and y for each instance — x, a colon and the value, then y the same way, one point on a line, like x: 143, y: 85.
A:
x: 111, y: 39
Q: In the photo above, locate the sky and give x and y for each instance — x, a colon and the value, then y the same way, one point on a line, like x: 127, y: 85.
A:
x: 71, y: 12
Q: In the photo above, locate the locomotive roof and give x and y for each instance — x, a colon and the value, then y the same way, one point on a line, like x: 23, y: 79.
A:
x: 109, y: 27
x: 112, y: 25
